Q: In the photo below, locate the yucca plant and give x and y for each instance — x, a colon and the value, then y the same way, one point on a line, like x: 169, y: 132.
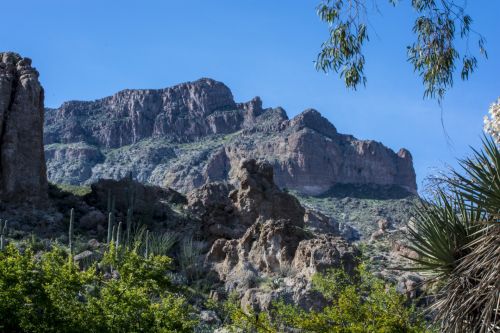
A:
x: 480, y: 184
x: 469, y: 300
x: 189, y: 258
x: 3, y: 233
x: 161, y: 243
x: 457, y: 239
x: 444, y: 227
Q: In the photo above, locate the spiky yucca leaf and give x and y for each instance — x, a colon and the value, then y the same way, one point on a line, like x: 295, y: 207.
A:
x: 457, y: 238
x: 443, y: 229
x: 480, y: 182
x: 469, y: 300
x: 161, y: 243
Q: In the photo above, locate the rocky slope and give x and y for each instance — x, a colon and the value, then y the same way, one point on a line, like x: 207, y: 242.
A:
x: 22, y: 164
x: 195, y: 133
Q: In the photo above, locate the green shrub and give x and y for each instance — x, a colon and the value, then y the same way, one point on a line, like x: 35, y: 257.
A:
x: 78, y: 190
x: 48, y: 293
x: 356, y: 304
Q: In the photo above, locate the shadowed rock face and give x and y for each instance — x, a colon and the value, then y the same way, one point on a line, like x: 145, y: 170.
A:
x: 194, y: 133
x: 23, y: 175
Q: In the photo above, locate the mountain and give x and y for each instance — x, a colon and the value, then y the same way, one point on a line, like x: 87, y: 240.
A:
x: 195, y: 133
x: 272, y: 201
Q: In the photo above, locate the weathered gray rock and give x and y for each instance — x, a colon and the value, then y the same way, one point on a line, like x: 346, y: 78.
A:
x: 194, y: 133
x: 228, y: 213
x: 23, y: 175
x: 324, y: 252
x: 184, y: 112
x: 263, y: 237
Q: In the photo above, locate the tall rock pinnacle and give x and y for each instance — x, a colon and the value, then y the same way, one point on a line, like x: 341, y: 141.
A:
x: 23, y: 175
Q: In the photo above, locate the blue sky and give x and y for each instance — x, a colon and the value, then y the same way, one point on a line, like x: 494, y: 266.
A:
x: 90, y: 49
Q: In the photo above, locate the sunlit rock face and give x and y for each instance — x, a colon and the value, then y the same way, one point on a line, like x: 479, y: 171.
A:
x: 195, y: 133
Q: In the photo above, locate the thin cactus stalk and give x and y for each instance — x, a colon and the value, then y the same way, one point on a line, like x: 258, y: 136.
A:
x: 118, y: 233
x: 146, y: 253
x: 129, y: 224
x: 113, y: 233
x: 70, y: 232
x: 33, y: 239
x: 118, y: 236
x: 130, y: 210
x: 111, y: 218
x: 3, y: 233
x: 109, y: 201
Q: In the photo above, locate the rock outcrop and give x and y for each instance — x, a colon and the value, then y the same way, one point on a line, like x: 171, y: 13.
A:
x: 258, y: 233
x: 23, y: 175
x: 195, y: 133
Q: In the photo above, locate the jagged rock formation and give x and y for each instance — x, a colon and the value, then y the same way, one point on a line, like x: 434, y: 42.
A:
x: 259, y: 233
x: 23, y: 175
x: 194, y: 133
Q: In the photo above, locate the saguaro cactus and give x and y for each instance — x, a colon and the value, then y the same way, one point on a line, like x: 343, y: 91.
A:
x: 129, y: 224
x: 113, y: 233
x: 70, y: 232
x: 146, y: 253
x: 130, y: 210
x: 111, y: 216
x: 3, y: 233
x: 111, y: 220
x: 118, y: 236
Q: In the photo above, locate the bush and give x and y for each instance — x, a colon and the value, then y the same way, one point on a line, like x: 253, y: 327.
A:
x: 48, y: 293
x: 356, y: 304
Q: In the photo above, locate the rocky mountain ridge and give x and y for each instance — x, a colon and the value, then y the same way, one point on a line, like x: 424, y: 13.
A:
x: 195, y: 133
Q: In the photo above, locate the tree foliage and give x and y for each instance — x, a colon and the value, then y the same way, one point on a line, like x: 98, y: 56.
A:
x: 441, y: 27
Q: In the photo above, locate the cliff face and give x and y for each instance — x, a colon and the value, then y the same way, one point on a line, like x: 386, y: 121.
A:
x: 182, y: 113
x: 194, y: 133
x: 23, y: 175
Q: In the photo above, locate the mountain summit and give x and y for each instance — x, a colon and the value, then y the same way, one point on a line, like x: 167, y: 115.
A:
x: 194, y: 133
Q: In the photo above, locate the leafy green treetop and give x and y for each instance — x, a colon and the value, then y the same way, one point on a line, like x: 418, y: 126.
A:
x: 435, y: 54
